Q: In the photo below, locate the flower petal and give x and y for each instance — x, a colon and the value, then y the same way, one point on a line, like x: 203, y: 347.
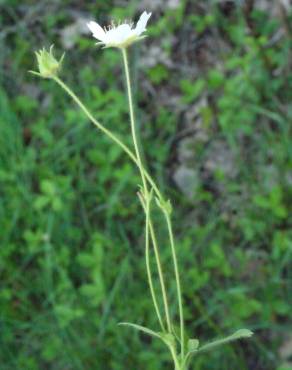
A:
x: 141, y: 24
x: 118, y: 35
x: 96, y: 30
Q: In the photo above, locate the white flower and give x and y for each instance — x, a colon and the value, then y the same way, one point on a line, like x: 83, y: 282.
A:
x: 120, y: 36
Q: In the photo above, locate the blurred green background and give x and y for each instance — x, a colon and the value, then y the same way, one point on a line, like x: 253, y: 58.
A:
x: 213, y: 86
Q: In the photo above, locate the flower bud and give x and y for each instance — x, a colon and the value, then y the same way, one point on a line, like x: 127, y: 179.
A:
x: 48, y: 65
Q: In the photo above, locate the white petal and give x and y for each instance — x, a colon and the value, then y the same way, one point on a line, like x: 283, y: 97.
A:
x: 118, y: 35
x: 142, y: 23
x: 96, y: 30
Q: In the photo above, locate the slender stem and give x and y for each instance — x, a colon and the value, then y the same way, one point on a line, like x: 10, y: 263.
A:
x: 114, y: 138
x: 177, y: 278
x: 175, y: 359
x: 160, y: 274
x: 132, y: 119
x: 108, y: 133
x: 133, y: 127
x: 142, y: 172
x: 147, y: 258
x: 130, y: 154
x: 94, y: 121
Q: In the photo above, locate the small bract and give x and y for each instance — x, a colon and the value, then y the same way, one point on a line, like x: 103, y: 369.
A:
x: 120, y: 36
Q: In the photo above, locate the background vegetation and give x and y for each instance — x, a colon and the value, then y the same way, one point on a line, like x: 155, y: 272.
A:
x: 213, y: 85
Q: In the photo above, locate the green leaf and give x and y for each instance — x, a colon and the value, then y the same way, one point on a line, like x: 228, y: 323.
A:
x: 239, y: 334
x: 167, y: 338
x: 192, y: 89
x: 142, y: 328
x: 158, y: 73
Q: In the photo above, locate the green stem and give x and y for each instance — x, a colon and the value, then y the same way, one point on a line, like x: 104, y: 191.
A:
x: 142, y: 172
x: 132, y: 119
x: 160, y: 274
x: 114, y: 138
x: 147, y: 258
x: 177, y: 278
x: 141, y: 167
x: 127, y: 151
x: 107, y: 132
x: 179, y: 295
x: 175, y: 359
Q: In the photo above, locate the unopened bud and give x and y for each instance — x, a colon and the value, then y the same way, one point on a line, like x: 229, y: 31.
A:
x: 48, y: 65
